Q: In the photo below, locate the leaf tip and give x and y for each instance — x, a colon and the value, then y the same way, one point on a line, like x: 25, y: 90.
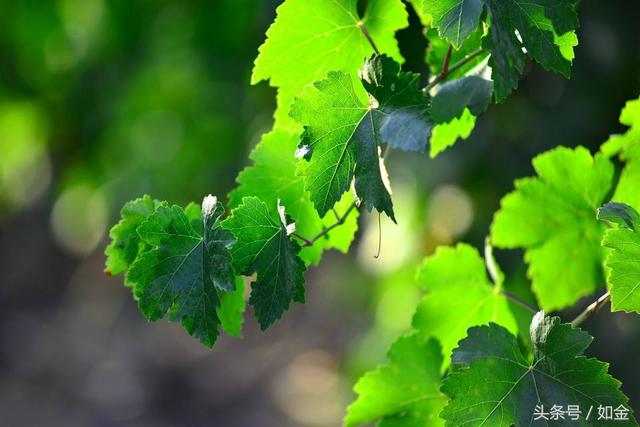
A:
x: 208, y: 205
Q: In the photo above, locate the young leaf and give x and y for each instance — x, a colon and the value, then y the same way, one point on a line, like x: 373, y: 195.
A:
x: 125, y: 242
x: 552, y: 217
x: 231, y: 308
x: 446, y: 134
x: 263, y: 246
x: 185, y: 268
x: 344, y: 130
x: 544, y: 28
x: 470, y: 92
x: 627, y: 146
x: 455, y: 19
x: 273, y: 176
x: 623, y: 262
x: 458, y: 295
x: 310, y: 38
x: 627, y: 189
x: 497, y: 385
x: 405, y: 392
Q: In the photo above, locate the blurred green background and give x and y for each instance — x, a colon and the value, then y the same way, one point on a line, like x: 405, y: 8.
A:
x: 104, y: 100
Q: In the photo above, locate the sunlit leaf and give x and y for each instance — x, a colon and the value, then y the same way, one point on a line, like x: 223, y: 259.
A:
x: 274, y: 176
x: 455, y: 19
x: 345, y: 127
x: 309, y: 38
x: 403, y: 393
x: 553, y: 217
x: 458, y: 295
x: 623, y: 262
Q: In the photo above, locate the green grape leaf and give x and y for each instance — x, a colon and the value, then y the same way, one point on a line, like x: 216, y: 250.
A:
x: 125, y: 242
x: 400, y: 105
x: 507, y: 59
x: 184, y: 269
x: 446, y: 134
x: 627, y: 146
x: 371, y: 179
x: 455, y: 19
x: 332, y: 112
x: 403, y: 393
x: 627, y: 189
x: 231, y: 309
x: 471, y: 92
x: 544, y: 28
x: 344, y: 129
x: 623, y: 261
x: 263, y: 246
x: 562, y: 13
x: 496, y: 385
x: 552, y: 217
x: 455, y: 281
x: 310, y: 38
x: 273, y: 176
x: 620, y: 214
x: 232, y: 303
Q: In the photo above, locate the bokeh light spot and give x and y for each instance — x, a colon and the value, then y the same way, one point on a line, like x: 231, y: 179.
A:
x: 450, y: 213
x: 79, y: 219
x: 25, y: 167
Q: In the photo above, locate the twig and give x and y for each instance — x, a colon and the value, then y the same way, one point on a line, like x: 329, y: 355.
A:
x: 497, y: 278
x: 447, y: 60
x: 508, y: 295
x: 341, y: 219
x: 368, y: 36
x: 335, y: 212
x: 461, y: 63
x: 306, y: 241
x: 593, y: 309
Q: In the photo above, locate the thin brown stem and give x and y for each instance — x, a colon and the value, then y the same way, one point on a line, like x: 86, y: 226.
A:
x: 335, y: 212
x: 306, y: 241
x: 508, y: 295
x: 447, y: 60
x: 497, y: 277
x: 377, y: 255
x: 461, y: 63
x: 368, y: 36
x: 593, y: 309
x: 341, y: 219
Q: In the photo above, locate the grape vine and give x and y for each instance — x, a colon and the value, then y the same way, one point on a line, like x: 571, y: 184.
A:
x: 344, y: 102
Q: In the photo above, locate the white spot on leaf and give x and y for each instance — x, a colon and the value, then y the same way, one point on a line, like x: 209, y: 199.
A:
x: 301, y: 152
x: 208, y: 205
x: 291, y: 228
